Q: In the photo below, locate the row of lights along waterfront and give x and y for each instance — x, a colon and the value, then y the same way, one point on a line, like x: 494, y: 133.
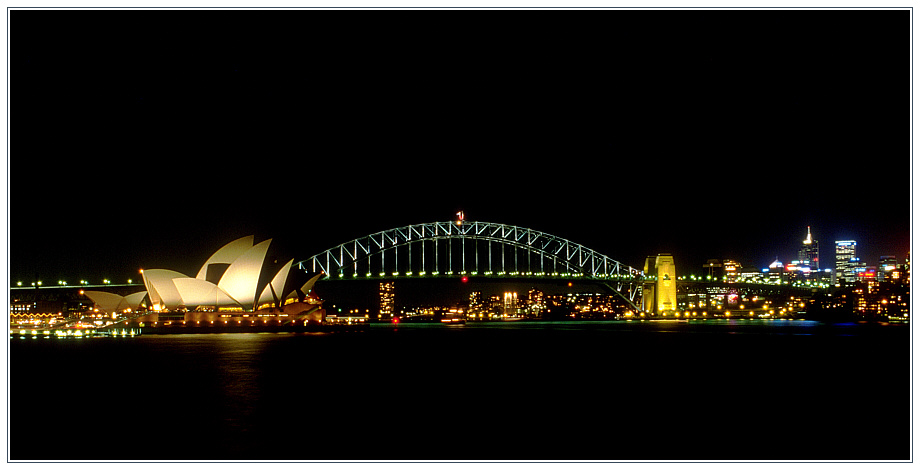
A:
x: 105, y: 282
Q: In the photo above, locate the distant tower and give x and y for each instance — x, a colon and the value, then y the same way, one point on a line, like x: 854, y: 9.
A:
x: 660, y: 295
x: 808, y: 254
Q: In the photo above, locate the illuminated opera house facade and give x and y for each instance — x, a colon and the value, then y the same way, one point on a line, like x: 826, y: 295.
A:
x: 235, y: 284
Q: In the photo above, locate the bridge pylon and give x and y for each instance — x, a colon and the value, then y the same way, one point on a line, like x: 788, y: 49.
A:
x: 659, y: 290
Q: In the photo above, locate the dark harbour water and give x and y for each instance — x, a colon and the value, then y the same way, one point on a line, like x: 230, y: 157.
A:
x: 713, y: 390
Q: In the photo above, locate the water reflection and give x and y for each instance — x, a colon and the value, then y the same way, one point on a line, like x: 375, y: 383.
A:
x: 709, y: 326
x: 404, y: 392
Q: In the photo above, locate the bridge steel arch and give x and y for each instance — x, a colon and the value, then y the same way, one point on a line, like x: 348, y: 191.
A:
x: 471, y: 248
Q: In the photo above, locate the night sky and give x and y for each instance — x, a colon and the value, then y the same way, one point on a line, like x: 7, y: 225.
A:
x: 148, y: 139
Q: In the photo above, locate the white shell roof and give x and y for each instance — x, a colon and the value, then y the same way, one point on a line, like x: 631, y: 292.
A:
x: 277, y: 284
x: 241, y: 278
x: 196, y: 292
x: 307, y: 287
x: 226, y: 254
x: 237, y: 286
x: 111, y: 303
x: 161, y: 288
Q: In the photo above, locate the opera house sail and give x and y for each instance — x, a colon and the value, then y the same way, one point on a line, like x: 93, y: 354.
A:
x: 227, y: 286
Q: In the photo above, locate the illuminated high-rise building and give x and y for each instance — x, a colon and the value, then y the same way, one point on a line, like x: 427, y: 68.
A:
x: 886, y: 266
x: 477, y: 306
x: 510, y: 305
x: 808, y: 254
x: 535, y: 301
x: 845, y: 261
x: 387, y: 299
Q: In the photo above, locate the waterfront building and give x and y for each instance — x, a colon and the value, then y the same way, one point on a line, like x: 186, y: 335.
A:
x: 714, y: 266
x: 387, y: 292
x: 776, y: 273
x: 476, y: 306
x: 844, y: 261
x: 351, y: 317
x: 886, y: 266
x: 750, y: 275
x: 732, y: 270
x: 797, y: 271
x: 825, y: 276
x: 536, y: 302
x: 854, y: 268
x: 495, y: 306
x: 35, y: 312
x: 510, y: 305
x: 901, y: 274
x: 868, y: 275
x: 234, y: 284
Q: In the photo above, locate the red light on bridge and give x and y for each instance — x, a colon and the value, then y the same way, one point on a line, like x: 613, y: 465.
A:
x: 464, y: 279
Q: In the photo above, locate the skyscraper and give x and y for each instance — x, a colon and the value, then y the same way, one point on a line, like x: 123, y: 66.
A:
x: 843, y: 256
x: 387, y: 299
x: 808, y: 254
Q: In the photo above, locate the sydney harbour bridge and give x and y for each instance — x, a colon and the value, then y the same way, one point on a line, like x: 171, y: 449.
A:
x: 470, y: 248
x: 461, y: 248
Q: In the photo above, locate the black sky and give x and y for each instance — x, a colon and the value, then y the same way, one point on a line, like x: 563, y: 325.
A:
x: 151, y: 138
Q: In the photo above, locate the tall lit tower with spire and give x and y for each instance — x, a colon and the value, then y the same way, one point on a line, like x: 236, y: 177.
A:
x: 808, y: 254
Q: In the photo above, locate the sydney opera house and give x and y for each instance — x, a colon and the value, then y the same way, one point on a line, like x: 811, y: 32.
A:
x: 234, y: 284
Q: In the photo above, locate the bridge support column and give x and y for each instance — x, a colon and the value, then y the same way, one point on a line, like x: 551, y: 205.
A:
x: 659, y: 292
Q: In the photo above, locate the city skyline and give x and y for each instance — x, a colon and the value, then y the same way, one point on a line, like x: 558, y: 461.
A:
x: 697, y: 268
x: 644, y: 133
